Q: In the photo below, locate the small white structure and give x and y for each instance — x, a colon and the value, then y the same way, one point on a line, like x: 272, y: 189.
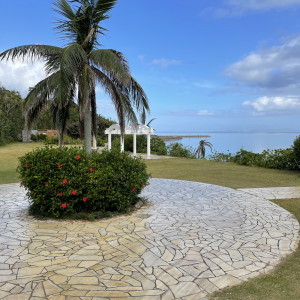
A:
x: 134, y: 130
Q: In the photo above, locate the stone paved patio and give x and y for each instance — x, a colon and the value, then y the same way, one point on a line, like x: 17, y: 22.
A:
x: 275, y: 193
x: 192, y: 239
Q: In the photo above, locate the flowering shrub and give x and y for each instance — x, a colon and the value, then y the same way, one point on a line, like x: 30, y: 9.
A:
x: 63, y: 181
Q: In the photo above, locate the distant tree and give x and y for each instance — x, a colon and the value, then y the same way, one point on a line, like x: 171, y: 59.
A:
x: 200, y: 152
x: 11, y: 119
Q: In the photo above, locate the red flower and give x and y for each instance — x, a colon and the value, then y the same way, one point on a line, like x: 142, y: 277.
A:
x: 108, y: 189
x: 74, y: 192
x: 59, y: 165
x: 27, y: 165
x: 22, y: 184
x: 60, y: 194
x: 122, y: 157
x: 84, y: 199
x: 77, y: 157
x: 64, y: 205
x: 65, y: 181
x: 46, y: 184
x: 143, y: 185
x: 134, y: 189
x: 91, y: 169
x: 57, y: 151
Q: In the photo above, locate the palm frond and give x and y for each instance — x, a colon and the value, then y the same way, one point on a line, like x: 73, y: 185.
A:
x: 115, y: 94
x: 138, y: 95
x: 149, y: 123
x: 111, y: 64
x: 31, y: 52
x: 72, y: 61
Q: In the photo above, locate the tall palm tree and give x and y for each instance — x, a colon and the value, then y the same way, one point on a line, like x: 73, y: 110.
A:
x: 200, y: 151
x: 80, y: 66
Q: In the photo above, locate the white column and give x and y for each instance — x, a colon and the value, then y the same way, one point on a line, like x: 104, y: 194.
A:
x: 148, y: 145
x: 122, y: 144
x: 134, y: 144
x: 109, y: 141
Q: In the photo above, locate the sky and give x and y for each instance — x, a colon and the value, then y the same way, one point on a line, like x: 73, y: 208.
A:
x: 222, y: 65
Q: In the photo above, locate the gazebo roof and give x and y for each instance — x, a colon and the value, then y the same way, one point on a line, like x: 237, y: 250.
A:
x: 137, y: 129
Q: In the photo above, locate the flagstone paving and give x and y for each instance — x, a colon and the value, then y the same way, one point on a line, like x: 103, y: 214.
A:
x: 191, y: 240
x: 275, y: 192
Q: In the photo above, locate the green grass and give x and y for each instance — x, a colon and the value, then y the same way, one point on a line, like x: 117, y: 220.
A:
x: 282, y: 283
x: 9, y: 159
x: 224, y: 174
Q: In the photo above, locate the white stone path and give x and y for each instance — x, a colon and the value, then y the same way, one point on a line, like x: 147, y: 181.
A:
x: 274, y: 192
x: 192, y: 239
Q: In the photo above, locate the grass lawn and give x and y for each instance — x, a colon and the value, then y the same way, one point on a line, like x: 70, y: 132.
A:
x: 9, y: 159
x: 283, y: 283
x: 224, y: 174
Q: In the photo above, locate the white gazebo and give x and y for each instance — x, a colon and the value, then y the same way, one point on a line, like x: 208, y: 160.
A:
x: 134, y: 130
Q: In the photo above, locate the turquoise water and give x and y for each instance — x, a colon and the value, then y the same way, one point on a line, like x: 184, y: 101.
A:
x: 233, y: 142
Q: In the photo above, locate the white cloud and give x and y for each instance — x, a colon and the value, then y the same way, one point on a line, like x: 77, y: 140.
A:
x: 205, y: 113
x: 164, y: 63
x: 275, y: 68
x: 21, y: 76
x: 266, y: 104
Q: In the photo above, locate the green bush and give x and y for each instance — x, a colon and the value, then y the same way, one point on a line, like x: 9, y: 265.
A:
x: 63, y: 181
x: 68, y: 140
x: 178, y: 150
x: 33, y: 138
x: 283, y: 159
x: 225, y: 157
x: 296, y: 149
x: 101, y: 142
x: 51, y: 140
x: 41, y: 137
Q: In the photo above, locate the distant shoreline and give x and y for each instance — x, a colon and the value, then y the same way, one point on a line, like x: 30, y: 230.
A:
x: 180, y: 137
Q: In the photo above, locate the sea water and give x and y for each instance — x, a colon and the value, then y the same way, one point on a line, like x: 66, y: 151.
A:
x: 234, y: 141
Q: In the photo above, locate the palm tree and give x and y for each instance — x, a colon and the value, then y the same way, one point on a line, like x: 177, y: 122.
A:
x: 200, y: 152
x: 79, y: 66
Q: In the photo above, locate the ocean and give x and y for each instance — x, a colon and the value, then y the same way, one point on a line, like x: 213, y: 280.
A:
x: 234, y: 141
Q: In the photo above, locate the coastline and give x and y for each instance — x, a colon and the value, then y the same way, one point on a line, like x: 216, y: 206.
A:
x: 180, y: 137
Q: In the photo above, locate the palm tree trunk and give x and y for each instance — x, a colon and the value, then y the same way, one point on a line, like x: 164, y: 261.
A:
x: 26, y: 137
x: 60, y: 138
x: 88, y: 129
x: 94, y: 116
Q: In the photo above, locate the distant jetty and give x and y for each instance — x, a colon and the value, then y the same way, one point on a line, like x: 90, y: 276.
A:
x: 180, y: 137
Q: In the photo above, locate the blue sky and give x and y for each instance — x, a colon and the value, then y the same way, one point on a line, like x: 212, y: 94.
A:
x: 223, y: 65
